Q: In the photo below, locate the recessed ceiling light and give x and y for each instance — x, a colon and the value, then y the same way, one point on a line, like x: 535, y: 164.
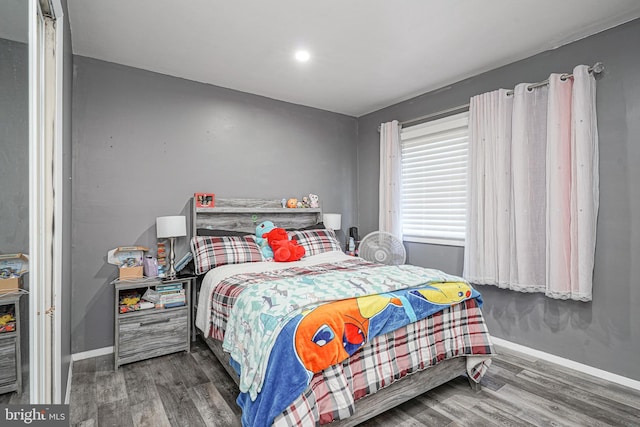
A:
x: 302, y: 55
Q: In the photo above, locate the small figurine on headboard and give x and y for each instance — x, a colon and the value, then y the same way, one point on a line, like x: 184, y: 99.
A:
x: 284, y: 203
x: 313, y: 201
x: 305, y: 202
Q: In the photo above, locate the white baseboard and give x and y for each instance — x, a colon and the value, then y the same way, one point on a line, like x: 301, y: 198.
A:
x: 567, y: 363
x: 92, y: 353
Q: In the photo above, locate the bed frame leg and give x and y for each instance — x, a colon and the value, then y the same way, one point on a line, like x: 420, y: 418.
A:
x: 474, y: 385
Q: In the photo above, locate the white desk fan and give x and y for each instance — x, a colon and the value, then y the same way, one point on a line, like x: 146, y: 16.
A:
x: 383, y: 248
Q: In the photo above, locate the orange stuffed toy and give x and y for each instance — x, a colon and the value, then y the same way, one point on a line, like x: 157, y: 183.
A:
x: 284, y: 250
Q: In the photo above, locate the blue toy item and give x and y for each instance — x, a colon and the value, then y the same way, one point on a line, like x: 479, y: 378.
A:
x: 263, y: 228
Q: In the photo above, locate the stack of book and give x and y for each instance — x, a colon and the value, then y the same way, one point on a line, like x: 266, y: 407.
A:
x: 171, y: 295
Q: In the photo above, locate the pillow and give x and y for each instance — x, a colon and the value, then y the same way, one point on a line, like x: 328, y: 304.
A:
x: 318, y: 226
x: 219, y: 233
x: 211, y: 252
x: 316, y: 241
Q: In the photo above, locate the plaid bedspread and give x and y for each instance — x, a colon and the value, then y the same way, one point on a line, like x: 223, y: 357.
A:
x: 226, y: 292
x: 456, y: 331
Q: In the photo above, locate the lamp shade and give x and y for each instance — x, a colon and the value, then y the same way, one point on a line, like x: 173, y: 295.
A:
x: 332, y: 220
x: 171, y: 226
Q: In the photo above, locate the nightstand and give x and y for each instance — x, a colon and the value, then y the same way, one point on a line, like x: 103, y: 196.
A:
x: 10, y: 358
x: 146, y: 333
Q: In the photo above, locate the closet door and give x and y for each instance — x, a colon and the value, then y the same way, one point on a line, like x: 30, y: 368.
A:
x: 45, y: 197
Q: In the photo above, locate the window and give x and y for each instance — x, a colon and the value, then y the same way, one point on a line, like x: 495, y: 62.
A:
x: 434, y: 180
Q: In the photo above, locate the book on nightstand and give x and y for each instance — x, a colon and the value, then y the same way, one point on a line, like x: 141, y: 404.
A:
x: 174, y: 304
x: 142, y: 305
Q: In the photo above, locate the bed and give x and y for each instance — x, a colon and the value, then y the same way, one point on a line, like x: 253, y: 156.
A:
x: 418, y: 345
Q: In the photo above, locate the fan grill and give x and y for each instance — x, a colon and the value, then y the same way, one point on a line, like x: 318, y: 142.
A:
x: 383, y: 248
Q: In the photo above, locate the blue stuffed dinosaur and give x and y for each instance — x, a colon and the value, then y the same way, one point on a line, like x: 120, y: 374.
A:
x: 263, y: 228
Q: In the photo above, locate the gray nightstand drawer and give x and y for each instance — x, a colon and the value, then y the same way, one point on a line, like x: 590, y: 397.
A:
x: 146, y: 333
x: 153, y: 334
x: 8, y: 371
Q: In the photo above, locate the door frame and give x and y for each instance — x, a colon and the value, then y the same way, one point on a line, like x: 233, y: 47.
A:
x: 46, y: 59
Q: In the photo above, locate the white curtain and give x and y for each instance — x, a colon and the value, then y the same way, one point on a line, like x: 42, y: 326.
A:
x: 390, y: 209
x: 533, y: 187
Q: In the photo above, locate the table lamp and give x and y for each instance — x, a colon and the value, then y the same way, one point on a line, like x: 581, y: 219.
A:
x: 332, y: 221
x: 170, y: 227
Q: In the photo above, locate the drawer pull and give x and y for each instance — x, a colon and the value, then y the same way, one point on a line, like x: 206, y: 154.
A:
x: 155, y: 322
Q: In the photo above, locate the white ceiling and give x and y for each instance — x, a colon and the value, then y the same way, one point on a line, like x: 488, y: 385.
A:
x: 365, y: 54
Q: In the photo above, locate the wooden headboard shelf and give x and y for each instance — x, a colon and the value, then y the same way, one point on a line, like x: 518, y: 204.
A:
x: 245, y: 214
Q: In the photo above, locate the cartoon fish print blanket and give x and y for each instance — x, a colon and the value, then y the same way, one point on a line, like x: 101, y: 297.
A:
x: 327, y: 318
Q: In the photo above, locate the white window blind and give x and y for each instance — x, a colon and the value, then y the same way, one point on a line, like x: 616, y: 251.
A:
x: 434, y: 180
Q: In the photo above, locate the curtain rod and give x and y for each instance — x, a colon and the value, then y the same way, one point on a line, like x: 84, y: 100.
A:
x: 459, y: 108
x: 597, y: 68
x: 436, y: 114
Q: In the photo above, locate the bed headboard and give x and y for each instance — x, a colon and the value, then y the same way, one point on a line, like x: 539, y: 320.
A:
x: 245, y: 214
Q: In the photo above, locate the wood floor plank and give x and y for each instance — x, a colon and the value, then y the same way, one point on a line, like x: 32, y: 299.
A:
x: 140, y: 383
x: 192, y: 374
x: 523, y: 409
x: 84, y: 404
x: 420, y: 412
x: 218, y: 376
x: 599, y: 386
x: 115, y: 414
x: 392, y: 417
x: 499, y: 416
x: 594, y: 405
x: 20, y: 399
x: 507, y: 365
x: 212, y: 406
x: 104, y: 363
x: 457, y: 386
x: 555, y: 409
x: 5, y: 398
x: 149, y: 413
x: 514, y: 360
x: 85, y: 365
x: 110, y: 386
x: 193, y: 389
x: 462, y: 411
x: 440, y: 398
x: 515, y: 355
x: 178, y: 406
x: 491, y: 383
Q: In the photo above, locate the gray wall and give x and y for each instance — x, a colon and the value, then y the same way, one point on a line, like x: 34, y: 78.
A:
x: 14, y: 166
x: 14, y: 147
x: 606, y: 332
x: 143, y: 143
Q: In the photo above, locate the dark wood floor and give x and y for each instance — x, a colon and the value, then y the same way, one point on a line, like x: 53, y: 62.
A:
x: 192, y: 389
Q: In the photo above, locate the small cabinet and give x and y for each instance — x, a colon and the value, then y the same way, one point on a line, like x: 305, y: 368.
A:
x: 10, y: 357
x: 143, y: 333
